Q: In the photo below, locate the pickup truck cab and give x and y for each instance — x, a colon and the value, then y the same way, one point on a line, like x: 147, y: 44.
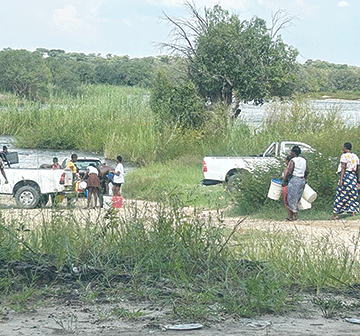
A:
x: 82, y: 163
x: 218, y: 169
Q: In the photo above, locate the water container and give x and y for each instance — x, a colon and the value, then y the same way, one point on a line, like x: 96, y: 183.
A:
x: 117, y: 201
x: 107, y: 200
x: 304, y: 204
x: 309, y: 194
x: 275, y: 189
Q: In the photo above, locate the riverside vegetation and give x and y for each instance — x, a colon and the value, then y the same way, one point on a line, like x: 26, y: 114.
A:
x: 190, y: 261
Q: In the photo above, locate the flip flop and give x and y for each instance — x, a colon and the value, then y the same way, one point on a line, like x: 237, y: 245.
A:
x: 288, y: 219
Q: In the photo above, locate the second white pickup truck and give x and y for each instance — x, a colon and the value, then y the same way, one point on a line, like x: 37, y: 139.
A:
x: 218, y: 169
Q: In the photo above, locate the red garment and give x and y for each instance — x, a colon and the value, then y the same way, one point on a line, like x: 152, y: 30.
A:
x: 284, y: 193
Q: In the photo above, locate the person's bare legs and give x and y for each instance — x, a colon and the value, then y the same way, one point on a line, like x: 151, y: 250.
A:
x: 90, y: 192
x: 290, y: 214
x: 95, y: 197
x: 116, y: 191
x: 295, y: 215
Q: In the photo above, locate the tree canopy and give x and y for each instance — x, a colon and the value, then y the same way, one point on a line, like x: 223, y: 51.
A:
x: 229, y: 58
x: 24, y: 73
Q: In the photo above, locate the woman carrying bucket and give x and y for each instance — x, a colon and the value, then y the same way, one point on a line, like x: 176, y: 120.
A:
x: 346, y: 197
x: 296, y: 174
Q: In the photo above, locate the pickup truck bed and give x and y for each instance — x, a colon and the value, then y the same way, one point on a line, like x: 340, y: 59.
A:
x: 218, y: 169
x: 31, y: 186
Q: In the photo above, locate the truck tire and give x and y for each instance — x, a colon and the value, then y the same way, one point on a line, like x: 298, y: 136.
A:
x: 27, y: 197
x: 234, y: 180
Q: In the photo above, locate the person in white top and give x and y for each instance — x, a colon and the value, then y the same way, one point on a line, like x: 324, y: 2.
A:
x: 296, y: 175
x: 346, y: 197
x: 118, y: 176
x: 93, y: 184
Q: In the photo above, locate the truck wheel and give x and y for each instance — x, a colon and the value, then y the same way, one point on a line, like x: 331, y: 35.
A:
x: 27, y: 197
x: 234, y: 180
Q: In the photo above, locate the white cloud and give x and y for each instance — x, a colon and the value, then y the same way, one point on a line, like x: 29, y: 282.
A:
x: 66, y: 18
x: 343, y: 4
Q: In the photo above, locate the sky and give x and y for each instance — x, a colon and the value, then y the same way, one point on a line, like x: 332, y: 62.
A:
x: 328, y: 30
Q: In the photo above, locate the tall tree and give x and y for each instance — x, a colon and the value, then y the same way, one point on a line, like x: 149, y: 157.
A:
x: 229, y: 58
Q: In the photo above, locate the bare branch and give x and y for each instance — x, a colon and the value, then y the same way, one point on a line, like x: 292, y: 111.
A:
x: 280, y: 20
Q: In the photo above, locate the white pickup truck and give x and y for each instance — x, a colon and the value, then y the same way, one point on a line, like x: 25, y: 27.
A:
x: 32, y: 187
x: 220, y: 169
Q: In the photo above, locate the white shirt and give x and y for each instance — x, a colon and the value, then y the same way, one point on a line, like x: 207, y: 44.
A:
x: 119, y: 178
x: 92, y: 170
x: 299, y: 166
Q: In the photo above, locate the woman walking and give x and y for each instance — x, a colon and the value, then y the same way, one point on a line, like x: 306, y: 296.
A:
x: 296, y: 175
x: 346, y: 197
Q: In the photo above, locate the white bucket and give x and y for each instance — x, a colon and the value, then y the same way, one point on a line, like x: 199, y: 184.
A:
x: 275, y: 189
x: 83, y: 185
x: 309, y: 194
x: 107, y: 202
x: 303, y: 204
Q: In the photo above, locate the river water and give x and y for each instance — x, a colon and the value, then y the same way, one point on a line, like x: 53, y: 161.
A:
x: 350, y: 110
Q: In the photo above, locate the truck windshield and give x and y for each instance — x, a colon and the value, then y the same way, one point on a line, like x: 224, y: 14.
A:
x: 304, y: 148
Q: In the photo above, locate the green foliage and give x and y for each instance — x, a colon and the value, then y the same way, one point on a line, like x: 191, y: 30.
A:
x: 323, y: 179
x: 229, y: 57
x: 251, y: 190
x: 321, y: 76
x: 176, y: 103
x: 24, y: 73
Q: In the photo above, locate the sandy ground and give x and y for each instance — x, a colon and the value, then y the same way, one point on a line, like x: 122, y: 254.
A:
x: 65, y: 316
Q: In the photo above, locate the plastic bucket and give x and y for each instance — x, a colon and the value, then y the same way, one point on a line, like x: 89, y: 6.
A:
x: 117, y: 201
x: 309, y: 194
x: 303, y: 204
x: 275, y: 189
x: 107, y: 200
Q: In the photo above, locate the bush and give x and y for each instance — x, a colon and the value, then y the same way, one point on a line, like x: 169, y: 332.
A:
x: 176, y: 104
x: 251, y: 191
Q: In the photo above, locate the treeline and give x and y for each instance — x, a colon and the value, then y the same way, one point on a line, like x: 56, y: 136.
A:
x: 320, y: 76
x: 36, y: 74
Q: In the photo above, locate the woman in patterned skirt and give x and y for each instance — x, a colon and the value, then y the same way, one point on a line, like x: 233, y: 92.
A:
x: 296, y: 174
x: 93, y: 183
x: 346, y: 197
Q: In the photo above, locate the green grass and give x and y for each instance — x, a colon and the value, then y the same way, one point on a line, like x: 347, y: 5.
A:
x: 189, y: 261
x: 179, y: 180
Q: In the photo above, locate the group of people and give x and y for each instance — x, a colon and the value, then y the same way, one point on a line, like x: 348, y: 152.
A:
x: 346, y: 196
x: 96, y: 177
